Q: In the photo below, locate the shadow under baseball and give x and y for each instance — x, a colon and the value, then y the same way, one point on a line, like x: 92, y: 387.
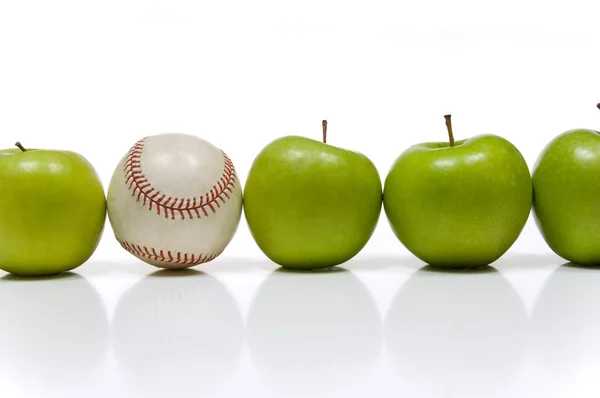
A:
x: 177, y: 333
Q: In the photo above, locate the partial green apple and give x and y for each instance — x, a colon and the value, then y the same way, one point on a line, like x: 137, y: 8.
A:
x: 566, y: 195
x: 52, y: 211
x: 459, y: 204
x: 309, y: 204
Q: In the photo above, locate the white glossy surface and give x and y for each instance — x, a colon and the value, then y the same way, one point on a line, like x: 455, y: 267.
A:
x: 381, y: 327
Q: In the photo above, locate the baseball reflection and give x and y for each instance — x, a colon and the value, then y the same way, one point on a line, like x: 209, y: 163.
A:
x: 457, y: 331
x: 177, y: 333
x: 53, y: 332
x: 307, y: 330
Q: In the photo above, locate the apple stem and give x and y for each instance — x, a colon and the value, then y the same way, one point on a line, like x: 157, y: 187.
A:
x: 449, y: 127
x: 18, y: 145
x: 324, y: 131
x: 598, y: 105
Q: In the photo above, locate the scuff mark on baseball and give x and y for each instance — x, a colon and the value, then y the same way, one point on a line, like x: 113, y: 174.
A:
x: 174, y: 200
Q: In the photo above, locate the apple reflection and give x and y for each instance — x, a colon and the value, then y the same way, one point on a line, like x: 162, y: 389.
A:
x: 53, y: 334
x: 566, y: 326
x: 177, y: 333
x: 462, y: 332
x: 308, y: 330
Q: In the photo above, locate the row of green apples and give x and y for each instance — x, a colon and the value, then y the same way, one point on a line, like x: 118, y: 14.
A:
x: 454, y: 204
x: 311, y: 205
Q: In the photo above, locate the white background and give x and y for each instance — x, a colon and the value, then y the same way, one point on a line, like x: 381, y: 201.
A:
x: 94, y: 77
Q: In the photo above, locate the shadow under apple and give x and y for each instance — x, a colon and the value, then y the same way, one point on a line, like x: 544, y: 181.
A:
x: 462, y: 332
x: 177, y: 333
x: 309, y: 330
x: 53, y: 332
x: 566, y: 326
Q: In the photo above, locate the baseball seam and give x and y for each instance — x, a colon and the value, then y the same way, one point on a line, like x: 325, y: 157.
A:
x: 167, y: 256
x: 153, y: 198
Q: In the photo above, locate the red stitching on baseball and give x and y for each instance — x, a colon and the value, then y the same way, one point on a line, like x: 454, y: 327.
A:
x: 167, y: 256
x: 144, y: 192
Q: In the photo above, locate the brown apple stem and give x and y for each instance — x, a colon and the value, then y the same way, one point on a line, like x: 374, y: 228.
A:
x: 324, y: 131
x: 18, y: 145
x: 598, y: 105
x: 449, y: 127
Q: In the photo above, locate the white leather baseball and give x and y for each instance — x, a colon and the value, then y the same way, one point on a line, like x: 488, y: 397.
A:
x: 174, y: 200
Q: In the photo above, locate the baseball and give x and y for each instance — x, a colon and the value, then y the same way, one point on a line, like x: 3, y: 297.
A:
x: 174, y: 200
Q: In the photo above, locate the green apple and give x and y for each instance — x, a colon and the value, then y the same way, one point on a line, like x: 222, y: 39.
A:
x: 459, y: 204
x: 566, y: 192
x: 311, y: 205
x: 52, y: 211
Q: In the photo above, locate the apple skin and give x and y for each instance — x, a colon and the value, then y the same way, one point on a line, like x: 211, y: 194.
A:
x: 566, y: 192
x: 52, y: 211
x: 311, y: 205
x: 461, y: 206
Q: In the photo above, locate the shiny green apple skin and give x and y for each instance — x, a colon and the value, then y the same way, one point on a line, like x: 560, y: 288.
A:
x: 311, y: 205
x: 566, y: 195
x: 52, y: 211
x: 462, y: 206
